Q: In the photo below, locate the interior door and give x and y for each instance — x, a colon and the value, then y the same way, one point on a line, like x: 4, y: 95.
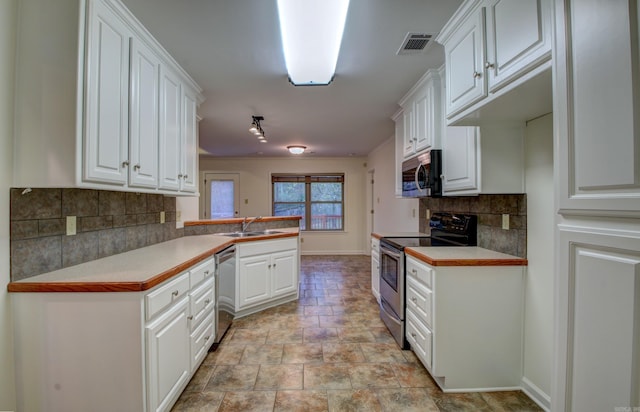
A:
x: 222, y: 195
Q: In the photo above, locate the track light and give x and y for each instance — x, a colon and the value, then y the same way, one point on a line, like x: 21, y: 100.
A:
x: 296, y: 149
x: 255, y: 128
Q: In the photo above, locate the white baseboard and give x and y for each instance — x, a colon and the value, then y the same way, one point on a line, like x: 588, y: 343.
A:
x: 536, y: 394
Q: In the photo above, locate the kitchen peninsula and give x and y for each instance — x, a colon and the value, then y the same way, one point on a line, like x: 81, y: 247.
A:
x: 144, y: 319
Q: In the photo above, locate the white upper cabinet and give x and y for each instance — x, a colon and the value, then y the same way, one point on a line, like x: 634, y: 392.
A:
x: 597, y: 108
x: 493, y: 47
x: 106, y: 97
x: 421, y: 115
x: 94, y: 118
x: 143, y: 144
x: 170, y: 130
x: 461, y: 159
x: 518, y: 38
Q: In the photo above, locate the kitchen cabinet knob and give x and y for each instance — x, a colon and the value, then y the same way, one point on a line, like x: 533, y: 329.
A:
x: 413, y: 335
x: 206, y: 338
x: 414, y: 300
x: 185, y: 176
x: 269, y: 266
x: 206, y: 272
x: 206, y: 302
x: 136, y: 167
x: 489, y: 65
x: 190, y: 317
x: 125, y: 163
x: 476, y: 75
x: 175, y: 293
x: 415, y: 272
x: 179, y: 176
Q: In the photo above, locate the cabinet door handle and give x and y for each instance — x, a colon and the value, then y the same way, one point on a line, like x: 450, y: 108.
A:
x: 206, y: 302
x: 136, y: 167
x: 413, y: 335
x: 415, y: 272
x: 179, y: 176
x: 414, y: 300
x: 477, y: 75
x: 206, y: 272
x: 206, y: 338
x: 269, y: 267
x: 274, y: 265
x: 125, y: 163
x: 190, y: 317
x: 175, y: 293
x: 489, y: 65
x: 185, y: 176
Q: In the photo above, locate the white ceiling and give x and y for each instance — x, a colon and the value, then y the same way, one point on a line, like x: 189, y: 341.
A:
x: 233, y: 51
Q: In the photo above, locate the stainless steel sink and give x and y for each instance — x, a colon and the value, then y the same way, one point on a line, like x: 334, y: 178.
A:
x: 249, y: 234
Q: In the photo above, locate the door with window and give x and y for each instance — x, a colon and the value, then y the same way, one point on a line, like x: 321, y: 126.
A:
x: 222, y: 196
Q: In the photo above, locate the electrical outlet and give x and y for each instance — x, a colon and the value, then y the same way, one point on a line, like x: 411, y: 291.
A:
x: 505, y: 221
x: 428, y: 215
x: 179, y: 216
x: 162, y: 217
x: 301, y: 240
x: 246, y: 201
x: 71, y: 225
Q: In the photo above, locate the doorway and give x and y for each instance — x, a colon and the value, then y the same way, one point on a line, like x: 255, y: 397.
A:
x: 222, y: 196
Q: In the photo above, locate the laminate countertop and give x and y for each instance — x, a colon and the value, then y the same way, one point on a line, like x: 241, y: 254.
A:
x: 139, y: 269
x: 463, y: 256
x: 379, y: 235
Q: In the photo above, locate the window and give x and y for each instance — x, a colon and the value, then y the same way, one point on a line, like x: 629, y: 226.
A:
x: 319, y: 199
x: 221, y: 195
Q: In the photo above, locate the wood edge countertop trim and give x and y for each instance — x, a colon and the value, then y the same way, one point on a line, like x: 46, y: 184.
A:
x: 467, y: 262
x: 132, y: 286
x: 239, y: 220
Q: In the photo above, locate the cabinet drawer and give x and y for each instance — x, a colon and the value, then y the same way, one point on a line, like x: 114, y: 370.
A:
x: 420, y: 271
x: 419, y: 300
x: 266, y: 246
x: 375, y: 244
x: 201, y: 301
x: 420, y: 338
x: 201, y: 338
x: 202, y: 271
x: 165, y: 295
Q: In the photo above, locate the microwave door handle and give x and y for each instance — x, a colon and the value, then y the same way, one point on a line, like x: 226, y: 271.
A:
x: 415, y: 178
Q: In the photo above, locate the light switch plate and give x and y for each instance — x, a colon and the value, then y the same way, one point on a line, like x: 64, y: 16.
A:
x: 71, y: 225
x: 505, y: 221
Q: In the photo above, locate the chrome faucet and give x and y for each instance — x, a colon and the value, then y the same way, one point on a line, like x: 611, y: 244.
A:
x: 245, y: 224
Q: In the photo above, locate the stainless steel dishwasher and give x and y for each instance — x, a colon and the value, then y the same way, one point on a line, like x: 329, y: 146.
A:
x: 225, y: 291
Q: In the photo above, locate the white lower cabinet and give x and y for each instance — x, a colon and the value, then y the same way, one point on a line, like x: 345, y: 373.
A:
x: 167, y: 341
x: 465, y: 324
x: 113, y: 351
x: 267, y: 272
x: 375, y: 267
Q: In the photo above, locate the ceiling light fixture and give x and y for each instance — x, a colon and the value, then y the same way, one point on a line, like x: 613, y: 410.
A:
x: 296, y: 149
x: 256, y: 129
x: 311, y: 33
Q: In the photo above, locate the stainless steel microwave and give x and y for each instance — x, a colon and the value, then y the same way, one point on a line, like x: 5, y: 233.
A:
x: 422, y: 175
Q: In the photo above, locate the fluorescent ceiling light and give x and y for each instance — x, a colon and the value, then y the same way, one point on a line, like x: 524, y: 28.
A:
x: 296, y: 149
x: 311, y: 35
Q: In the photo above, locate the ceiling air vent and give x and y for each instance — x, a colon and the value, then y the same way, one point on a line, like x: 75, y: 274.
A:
x: 415, y: 43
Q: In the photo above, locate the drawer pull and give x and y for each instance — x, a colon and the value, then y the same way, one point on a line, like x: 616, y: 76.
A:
x: 414, y: 300
x: 206, y: 338
x: 190, y: 317
x: 476, y: 75
x: 413, y: 335
x: 206, y: 272
x: 206, y: 302
x: 415, y: 272
x: 175, y: 293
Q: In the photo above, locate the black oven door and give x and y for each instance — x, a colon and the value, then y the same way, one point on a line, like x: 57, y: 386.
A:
x: 392, y: 279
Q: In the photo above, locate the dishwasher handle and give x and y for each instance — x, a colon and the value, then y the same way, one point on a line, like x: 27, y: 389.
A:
x: 226, y: 254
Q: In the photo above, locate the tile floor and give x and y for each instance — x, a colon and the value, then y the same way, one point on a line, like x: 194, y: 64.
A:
x: 328, y: 351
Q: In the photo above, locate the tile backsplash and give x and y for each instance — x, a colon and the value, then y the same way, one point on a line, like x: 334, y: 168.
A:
x: 107, y: 223
x: 489, y: 209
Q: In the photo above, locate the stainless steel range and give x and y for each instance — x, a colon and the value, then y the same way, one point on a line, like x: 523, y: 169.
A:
x: 446, y: 230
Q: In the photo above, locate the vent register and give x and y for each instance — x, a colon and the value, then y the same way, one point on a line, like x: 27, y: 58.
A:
x: 415, y: 43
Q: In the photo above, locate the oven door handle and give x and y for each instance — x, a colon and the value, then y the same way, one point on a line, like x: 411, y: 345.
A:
x: 389, y: 252
x: 390, y: 312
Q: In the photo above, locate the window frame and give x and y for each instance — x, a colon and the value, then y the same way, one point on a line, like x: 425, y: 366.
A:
x: 308, y: 179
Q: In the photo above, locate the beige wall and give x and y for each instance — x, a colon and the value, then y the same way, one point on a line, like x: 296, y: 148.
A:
x: 255, y: 188
x: 391, y: 214
x: 8, y: 12
x: 538, y: 333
